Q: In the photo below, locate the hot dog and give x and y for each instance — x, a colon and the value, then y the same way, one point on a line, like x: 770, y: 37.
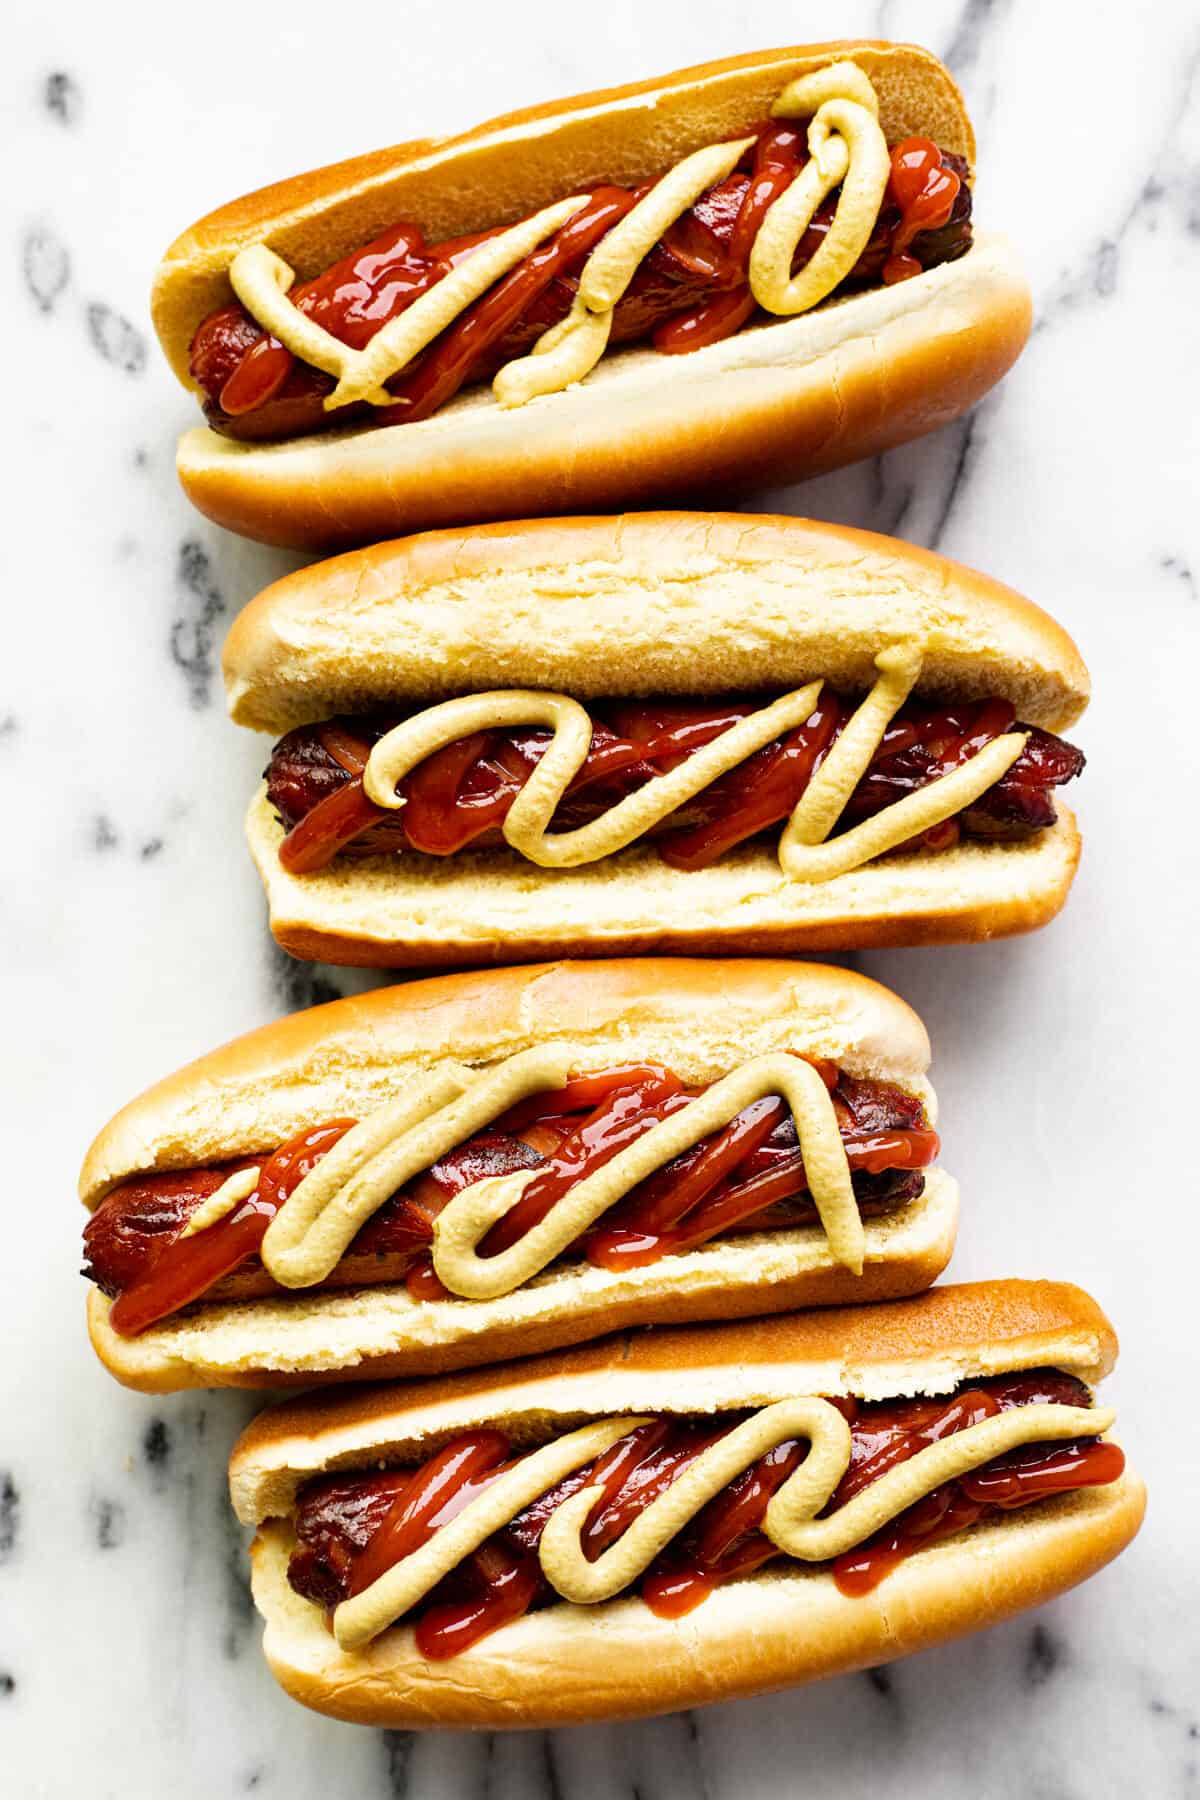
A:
x: 475, y: 1167
x: 679, y: 731
x: 669, y: 285
x: 812, y: 1493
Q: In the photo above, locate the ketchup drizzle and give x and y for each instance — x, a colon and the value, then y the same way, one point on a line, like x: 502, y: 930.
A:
x: 461, y: 795
x: 244, y: 371
x: 728, y: 1181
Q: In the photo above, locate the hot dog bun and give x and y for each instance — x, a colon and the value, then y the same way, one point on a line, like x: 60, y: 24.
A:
x: 782, y: 1626
x: 771, y: 404
x: 701, y: 1018
x: 649, y: 603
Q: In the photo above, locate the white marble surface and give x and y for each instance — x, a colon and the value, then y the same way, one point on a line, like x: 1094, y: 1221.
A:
x: 134, y: 930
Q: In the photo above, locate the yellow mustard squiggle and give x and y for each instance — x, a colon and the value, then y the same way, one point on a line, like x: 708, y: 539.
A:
x: 315, y: 1226
x: 466, y: 1219
x: 791, y: 1522
x: 846, y: 146
x: 238, y: 1187
x: 357, y: 1621
x: 525, y: 827
x: 261, y: 280
x: 803, y: 853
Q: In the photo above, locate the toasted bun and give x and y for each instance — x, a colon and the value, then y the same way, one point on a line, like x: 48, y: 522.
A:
x: 925, y: 1345
x: 702, y: 1018
x: 511, y: 166
x: 650, y: 603
x: 783, y: 1626
x: 771, y: 404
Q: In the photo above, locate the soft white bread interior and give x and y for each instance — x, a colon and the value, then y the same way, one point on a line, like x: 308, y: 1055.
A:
x: 493, y: 907
x: 372, y: 1333
x: 513, y: 165
x: 642, y: 604
x: 780, y: 1627
x: 701, y: 1018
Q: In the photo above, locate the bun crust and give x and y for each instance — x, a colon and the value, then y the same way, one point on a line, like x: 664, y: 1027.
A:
x: 667, y: 603
x: 772, y: 404
x: 566, y: 1664
x: 901, y: 1347
x: 570, y: 1665
x: 702, y: 1018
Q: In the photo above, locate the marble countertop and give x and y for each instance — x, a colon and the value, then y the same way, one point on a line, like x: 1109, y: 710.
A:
x: 135, y: 931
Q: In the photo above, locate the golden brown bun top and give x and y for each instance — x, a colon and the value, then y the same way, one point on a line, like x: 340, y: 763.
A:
x: 643, y: 603
x: 927, y: 1344
x: 701, y: 1017
x: 515, y: 164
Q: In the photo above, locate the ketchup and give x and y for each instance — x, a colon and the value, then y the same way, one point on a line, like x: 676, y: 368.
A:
x: 502, y: 1580
x: 188, y: 1266
x: 1036, y: 1472
x: 461, y: 795
x: 691, y: 291
x: 925, y: 193
x: 465, y: 345
x: 778, y: 158
x: 730, y: 1180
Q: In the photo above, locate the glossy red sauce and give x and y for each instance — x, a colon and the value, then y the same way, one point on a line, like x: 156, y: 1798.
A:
x: 730, y: 1181
x: 724, y: 1541
x: 460, y: 796
x: 186, y: 1268
x: 925, y: 193
x: 691, y: 291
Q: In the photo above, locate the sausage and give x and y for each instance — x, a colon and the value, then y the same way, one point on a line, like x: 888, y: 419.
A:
x: 338, y: 1515
x: 302, y: 772
x: 130, y: 1227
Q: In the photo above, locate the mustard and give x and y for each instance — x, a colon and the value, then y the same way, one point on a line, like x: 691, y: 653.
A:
x: 238, y: 1187
x: 318, y: 1221
x: 261, y: 280
x: 791, y: 1521
x: 466, y: 1219
x: 357, y: 1621
x: 315, y: 1226
x: 400, y: 751
x: 803, y: 853
x: 847, y: 148
x: 571, y: 349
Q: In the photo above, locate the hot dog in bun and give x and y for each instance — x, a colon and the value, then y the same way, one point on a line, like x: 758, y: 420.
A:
x: 679, y: 731
x: 747, y: 271
x: 673, y: 1517
x: 475, y: 1167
